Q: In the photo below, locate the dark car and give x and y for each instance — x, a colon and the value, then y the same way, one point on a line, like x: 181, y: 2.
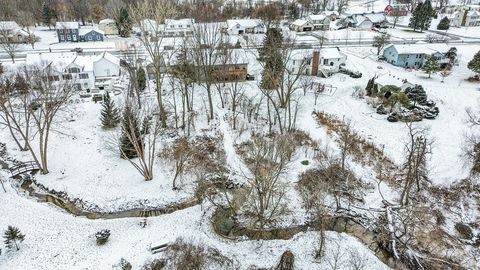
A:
x: 77, y: 50
x: 250, y: 77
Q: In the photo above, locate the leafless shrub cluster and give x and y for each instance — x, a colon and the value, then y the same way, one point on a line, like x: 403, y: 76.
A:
x: 352, y: 144
x: 183, y: 254
x: 202, y: 157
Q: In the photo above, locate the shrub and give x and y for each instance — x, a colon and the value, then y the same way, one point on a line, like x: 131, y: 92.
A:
x: 102, y: 236
x: 155, y: 265
x: 305, y: 162
x: 464, y: 230
x: 125, y: 265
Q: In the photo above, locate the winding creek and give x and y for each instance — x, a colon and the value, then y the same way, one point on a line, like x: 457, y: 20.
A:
x: 340, y: 225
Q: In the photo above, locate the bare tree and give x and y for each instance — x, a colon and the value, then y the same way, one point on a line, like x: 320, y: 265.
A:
x: 150, y: 16
x: 346, y: 140
x: 380, y: 41
x: 8, y: 41
x: 183, y: 79
x: 471, y: 149
x: 415, y: 166
x: 45, y: 96
x: 207, y: 38
x: 281, y: 78
x: 182, y: 153
x: 267, y: 161
x: 335, y: 258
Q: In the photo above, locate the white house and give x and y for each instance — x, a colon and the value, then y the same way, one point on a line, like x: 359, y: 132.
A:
x: 108, y: 27
x: 245, y: 26
x: 465, y: 18
x: 179, y: 28
x: 13, y: 31
x: 319, y: 22
x: 84, y: 71
x: 357, y: 21
x: 323, y: 62
x: 301, y: 26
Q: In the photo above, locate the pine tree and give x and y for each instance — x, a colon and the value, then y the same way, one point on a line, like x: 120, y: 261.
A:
x: 130, y: 133
x: 369, y: 87
x: 12, y: 236
x: 271, y: 55
x: 422, y: 16
x: 431, y: 66
x: 444, y: 24
x: 110, y: 115
x: 141, y: 79
x: 474, y: 64
x: 123, y: 22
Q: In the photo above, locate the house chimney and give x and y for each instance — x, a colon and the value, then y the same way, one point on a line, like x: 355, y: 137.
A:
x: 315, y: 62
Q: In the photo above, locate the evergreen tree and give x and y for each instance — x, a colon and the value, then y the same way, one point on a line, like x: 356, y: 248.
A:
x: 110, y: 115
x: 270, y: 54
x: 130, y: 133
x: 12, y: 236
x: 48, y: 14
x: 451, y: 55
x: 141, y: 79
x: 474, y: 64
x: 431, y: 66
x: 369, y: 87
x: 123, y: 22
x: 422, y: 16
x: 444, y: 24
x: 417, y: 94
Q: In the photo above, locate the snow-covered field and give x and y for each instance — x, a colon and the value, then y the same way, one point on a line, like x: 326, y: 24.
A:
x: 85, y: 164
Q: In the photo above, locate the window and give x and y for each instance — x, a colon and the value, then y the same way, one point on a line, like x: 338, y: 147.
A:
x: 83, y: 75
x: 73, y: 70
x: 69, y: 37
x: 89, y: 37
x: 62, y: 38
x: 98, y: 37
x: 67, y: 76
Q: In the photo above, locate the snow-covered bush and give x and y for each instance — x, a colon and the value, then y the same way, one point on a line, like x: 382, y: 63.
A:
x: 102, y: 236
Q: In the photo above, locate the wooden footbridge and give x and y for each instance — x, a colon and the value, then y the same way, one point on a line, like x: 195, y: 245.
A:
x: 24, y: 167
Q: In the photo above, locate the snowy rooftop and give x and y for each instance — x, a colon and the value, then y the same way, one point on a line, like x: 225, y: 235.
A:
x: 299, y: 22
x: 376, y: 18
x: 179, y: 22
x: 331, y: 53
x: 419, y: 48
x: 248, y: 23
x: 317, y: 17
x: 67, y: 25
x: 106, y: 21
x: 389, y: 79
x: 84, y: 31
x: 64, y: 59
x: 8, y: 25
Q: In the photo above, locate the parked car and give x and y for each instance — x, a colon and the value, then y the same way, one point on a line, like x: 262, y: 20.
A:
x: 250, y: 77
x: 352, y: 74
x: 97, y: 97
x: 77, y: 50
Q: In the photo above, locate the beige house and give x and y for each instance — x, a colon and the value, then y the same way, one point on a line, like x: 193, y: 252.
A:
x: 108, y: 27
x: 301, y: 26
x: 320, y: 22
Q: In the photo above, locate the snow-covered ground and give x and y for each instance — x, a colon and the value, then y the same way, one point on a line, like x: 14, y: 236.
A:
x: 56, y: 240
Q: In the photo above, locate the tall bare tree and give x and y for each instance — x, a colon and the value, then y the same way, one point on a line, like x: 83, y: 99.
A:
x: 415, y: 166
x: 150, y: 16
x: 207, y: 38
x: 267, y: 161
x: 8, y: 41
x: 44, y: 98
